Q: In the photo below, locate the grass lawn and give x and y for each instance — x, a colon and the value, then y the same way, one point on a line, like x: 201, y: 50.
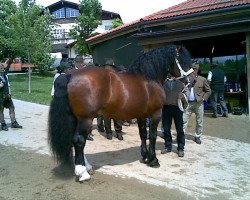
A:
x: 40, y: 87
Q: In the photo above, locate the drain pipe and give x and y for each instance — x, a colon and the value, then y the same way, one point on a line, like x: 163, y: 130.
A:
x: 248, y: 69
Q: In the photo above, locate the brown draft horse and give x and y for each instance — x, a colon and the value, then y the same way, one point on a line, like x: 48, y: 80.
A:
x: 137, y: 93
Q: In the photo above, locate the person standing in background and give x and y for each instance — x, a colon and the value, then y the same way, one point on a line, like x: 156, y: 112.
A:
x: 79, y: 64
x: 63, y: 68
x: 217, y: 79
x: 171, y: 111
x: 199, y: 91
x: 78, y: 61
x: 6, y: 100
x: 107, y: 121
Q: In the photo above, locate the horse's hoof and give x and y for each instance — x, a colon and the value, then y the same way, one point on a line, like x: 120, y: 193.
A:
x: 91, y: 171
x: 154, y: 164
x: 84, y: 177
x: 144, y: 160
x: 109, y: 136
x: 77, y: 179
x: 81, y: 173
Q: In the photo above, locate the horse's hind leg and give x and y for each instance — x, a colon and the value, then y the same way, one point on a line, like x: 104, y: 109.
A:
x: 143, y: 135
x: 79, y: 141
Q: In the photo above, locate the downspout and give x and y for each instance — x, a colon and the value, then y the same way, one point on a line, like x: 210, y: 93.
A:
x: 248, y: 69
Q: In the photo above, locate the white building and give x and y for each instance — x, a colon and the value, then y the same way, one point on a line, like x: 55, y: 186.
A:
x: 64, y: 15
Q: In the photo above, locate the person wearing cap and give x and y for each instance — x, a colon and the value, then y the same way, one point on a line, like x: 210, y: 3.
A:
x: 63, y: 68
x: 217, y: 79
x: 174, y: 89
x: 199, y: 91
x: 79, y: 62
x: 110, y: 65
x: 6, y: 100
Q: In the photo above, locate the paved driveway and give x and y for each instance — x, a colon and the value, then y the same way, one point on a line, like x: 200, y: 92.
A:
x: 216, y: 169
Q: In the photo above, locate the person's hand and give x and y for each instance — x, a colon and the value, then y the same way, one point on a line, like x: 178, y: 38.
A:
x: 1, y: 84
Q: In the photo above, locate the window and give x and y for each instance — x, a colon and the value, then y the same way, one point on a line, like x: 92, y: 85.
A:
x: 70, y: 12
x: 108, y: 27
x: 59, y: 13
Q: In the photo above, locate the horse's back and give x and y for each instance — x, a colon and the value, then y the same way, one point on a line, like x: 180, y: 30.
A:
x: 88, y: 90
x: 118, y: 95
x: 134, y: 96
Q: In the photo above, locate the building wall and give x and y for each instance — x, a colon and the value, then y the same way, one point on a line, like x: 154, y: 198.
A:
x: 64, y: 24
x: 105, y: 26
x: 123, y: 50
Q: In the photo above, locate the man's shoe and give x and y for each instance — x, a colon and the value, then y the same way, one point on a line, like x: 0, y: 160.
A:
x: 4, y: 127
x: 214, y: 115
x: 100, y: 129
x: 90, y: 137
x: 119, y: 135
x: 15, y: 125
x: 197, y: 140
x: 225, y: 115
x: 181, y: 153
x: 164, y: 151
x: 109, y: 136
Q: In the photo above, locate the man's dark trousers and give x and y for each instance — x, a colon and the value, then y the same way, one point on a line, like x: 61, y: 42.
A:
x: 170, y: 112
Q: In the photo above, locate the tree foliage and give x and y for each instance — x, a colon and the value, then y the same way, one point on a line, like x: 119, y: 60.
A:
x: 86, y: 23
x: 27, y: 32
x: 7, y: 44
x: 117, y: 22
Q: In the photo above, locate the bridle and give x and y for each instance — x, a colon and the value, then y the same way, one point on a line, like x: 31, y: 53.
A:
x: 182, y: 72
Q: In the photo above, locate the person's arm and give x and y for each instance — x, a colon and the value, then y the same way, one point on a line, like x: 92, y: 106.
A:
x: 207, y: 90
x: 1, y: 84
x: 10, y: 61
x: 209, y: 77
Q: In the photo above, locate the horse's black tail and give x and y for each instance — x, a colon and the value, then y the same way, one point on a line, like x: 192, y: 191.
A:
x: 62, y: 122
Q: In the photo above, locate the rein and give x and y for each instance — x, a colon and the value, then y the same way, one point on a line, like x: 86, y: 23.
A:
x: 183, y: 73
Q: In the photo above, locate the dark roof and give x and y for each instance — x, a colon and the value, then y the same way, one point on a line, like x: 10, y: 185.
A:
x: 188, y: 7
x: 62, y: 3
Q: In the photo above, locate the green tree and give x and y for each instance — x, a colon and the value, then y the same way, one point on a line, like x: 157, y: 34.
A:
x: 32, y: 36
x: 117, y: 22
x: 7, y: 43
x: 86, y: 23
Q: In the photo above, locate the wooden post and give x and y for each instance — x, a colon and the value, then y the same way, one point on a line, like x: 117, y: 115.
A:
x: 248, y: 69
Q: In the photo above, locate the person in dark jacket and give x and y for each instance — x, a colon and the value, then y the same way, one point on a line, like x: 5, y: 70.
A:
x: 107, y: 121
x: 217, y: 79
x: 173, y: 89
x: 6, y: 100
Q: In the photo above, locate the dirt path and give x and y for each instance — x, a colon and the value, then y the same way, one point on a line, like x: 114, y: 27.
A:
x: 216, y: 169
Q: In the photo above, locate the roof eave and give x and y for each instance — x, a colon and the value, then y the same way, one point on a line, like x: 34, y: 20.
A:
x: 156, y: 22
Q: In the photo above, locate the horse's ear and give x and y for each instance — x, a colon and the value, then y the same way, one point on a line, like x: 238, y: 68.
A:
x: 177, y: 50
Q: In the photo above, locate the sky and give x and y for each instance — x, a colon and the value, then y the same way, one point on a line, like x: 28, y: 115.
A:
x: 129, y: 10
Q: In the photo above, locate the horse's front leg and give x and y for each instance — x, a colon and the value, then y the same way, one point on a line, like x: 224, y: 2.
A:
x: 79, y: 141
x: 153, y: 161
x: 143, y: 135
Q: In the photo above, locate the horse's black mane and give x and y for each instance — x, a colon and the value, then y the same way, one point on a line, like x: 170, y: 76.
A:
x: 155, y: 64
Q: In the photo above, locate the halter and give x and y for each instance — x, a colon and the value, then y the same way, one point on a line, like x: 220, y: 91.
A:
x: 183, y: 73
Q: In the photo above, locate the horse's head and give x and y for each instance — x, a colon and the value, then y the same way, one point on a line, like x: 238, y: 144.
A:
x: 157, y: 63
x: 182, y: 63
